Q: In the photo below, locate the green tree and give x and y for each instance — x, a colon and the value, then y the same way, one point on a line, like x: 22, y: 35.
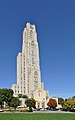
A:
x: 69, y: 103
x: 6, y: 95
x: 20, y: 95
x: 25, y: 96
x: 15, y: 102
x: 30, y: 103
x: 73, y: 97
x: 61, y: 101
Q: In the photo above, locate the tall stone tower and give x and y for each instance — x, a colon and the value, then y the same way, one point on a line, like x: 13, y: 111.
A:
x: 28, y: 66
x: 28, y: 69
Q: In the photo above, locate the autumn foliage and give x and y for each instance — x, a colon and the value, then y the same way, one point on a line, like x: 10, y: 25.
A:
x: 52, y: 103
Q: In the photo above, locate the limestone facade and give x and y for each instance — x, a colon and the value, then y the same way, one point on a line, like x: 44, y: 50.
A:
x: 28, y: 69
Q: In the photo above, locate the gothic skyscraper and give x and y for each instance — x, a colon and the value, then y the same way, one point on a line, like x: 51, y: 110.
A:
x: 28, y: 68
x: 28, y: 65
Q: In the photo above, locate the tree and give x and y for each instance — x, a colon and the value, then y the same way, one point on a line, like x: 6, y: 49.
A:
x: 69, y: 103
x: 61, y: 101
x: 52, y: 103
x: 6, y: 95
x: 30, y: 103
x: 73, y: 97
x: 1, y: 101
x: 15, y: 102
x: 20, y: 95
x: 25, y: 96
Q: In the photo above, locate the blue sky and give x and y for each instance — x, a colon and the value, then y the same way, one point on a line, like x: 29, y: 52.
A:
x: 55, y: 21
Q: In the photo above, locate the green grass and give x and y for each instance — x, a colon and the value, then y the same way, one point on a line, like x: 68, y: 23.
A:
x: 36, y: 116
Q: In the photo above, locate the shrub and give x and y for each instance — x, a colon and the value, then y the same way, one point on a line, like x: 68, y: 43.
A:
x: 72, y: 110
x: 24, y: 110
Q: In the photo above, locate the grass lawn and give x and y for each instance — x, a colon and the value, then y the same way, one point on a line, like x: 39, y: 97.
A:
x: 36, y: 116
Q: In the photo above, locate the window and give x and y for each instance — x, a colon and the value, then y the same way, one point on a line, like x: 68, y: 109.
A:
x: 43, y: 105
x: 24, y: 91
x: 38, y: 105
